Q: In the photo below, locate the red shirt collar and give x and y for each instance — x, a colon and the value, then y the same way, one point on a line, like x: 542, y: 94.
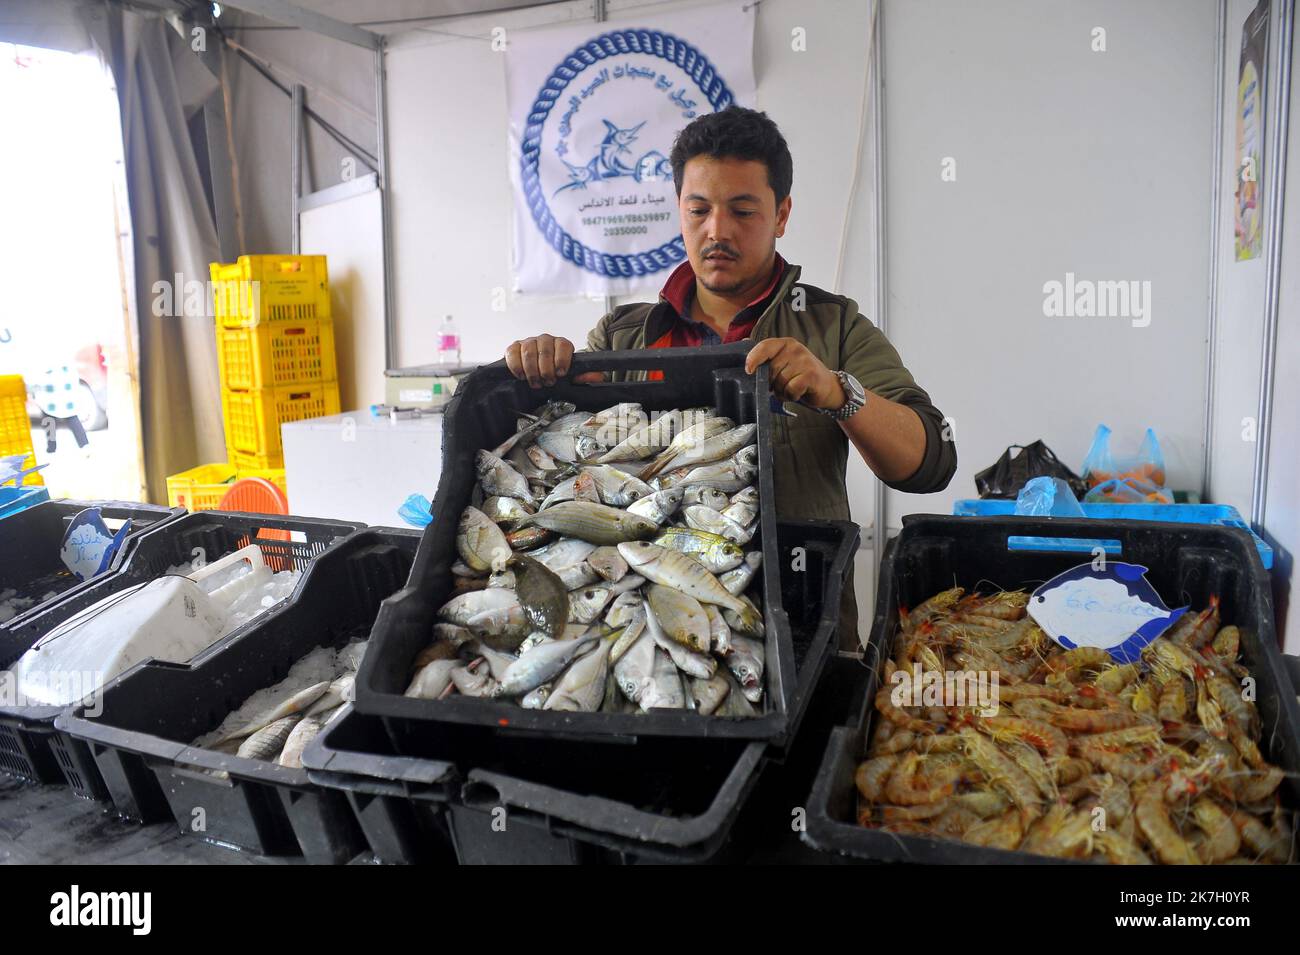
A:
x: 681, y: 285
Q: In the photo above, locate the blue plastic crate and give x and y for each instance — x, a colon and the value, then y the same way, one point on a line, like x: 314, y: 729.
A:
x: 15, y: 499
x: 1221, y: 514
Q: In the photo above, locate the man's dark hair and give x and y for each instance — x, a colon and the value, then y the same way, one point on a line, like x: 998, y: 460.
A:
x: 735, y: 133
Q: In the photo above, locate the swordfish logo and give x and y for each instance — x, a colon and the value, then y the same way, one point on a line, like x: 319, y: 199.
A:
x: 77, y: 908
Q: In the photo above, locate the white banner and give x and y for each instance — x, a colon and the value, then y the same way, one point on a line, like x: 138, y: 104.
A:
x: 593, y: 113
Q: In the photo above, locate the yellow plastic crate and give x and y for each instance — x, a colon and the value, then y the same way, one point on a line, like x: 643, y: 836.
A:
x: 272, y: 354
x: 270, y: 288
x: 15, y: 426
x: 203, y: 487
x: 253, y: 418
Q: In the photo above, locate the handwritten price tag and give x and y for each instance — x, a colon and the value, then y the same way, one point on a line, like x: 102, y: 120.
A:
x: 88, y: 546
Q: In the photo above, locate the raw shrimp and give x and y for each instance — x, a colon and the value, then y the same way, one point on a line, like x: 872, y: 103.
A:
x: 871, y: 775
x: 900, y: 787
x: 1043, y: 736
x: 1070, y: 770
x: 1172, y: 707
x: 1000, y: 832
x: 1003, y: 772
x: 1153, y: 819
x: 1222, y: 840
x: 1259, y: 839
x: 1227, y: 643
x: 897, y: 715
x: 1113, y: 679
x: 1120, y: 849
x: 1091, y: 721
x: 1062, y: 832
x: 983, y: 802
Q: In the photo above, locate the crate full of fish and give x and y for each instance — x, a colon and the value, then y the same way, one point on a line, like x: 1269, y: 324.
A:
x: 439, y: 796
x: 1130, y: 708
x: 603, y: 562
x: 174, y: 594
x: 217, y: 745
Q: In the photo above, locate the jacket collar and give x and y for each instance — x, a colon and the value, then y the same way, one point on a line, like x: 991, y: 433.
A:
x: 672, y: 298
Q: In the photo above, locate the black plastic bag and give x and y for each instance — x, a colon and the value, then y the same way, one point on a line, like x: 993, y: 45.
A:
x: 1005, y: 478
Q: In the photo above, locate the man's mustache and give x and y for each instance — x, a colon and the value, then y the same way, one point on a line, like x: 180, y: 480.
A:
x: 719, y: 247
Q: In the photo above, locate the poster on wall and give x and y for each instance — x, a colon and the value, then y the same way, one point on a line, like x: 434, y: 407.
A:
x: 1250, y: 132
x: 593, y: 113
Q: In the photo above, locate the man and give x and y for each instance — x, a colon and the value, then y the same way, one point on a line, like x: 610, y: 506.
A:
x: 733, y: 172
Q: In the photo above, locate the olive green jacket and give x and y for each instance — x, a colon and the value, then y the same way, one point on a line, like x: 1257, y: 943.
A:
x: 832, y: 329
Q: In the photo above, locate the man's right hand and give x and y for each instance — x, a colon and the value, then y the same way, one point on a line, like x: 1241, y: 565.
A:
x: 543, y: 359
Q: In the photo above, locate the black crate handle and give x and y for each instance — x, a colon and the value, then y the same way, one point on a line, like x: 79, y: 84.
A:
x: 634, y: 359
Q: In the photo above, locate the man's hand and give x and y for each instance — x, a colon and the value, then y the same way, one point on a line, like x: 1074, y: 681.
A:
x: 796, y: 373
x: 543, y: 359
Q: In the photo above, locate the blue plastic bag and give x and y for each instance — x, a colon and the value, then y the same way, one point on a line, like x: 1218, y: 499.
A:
x: 416, y: 510
x: 1047, y: 497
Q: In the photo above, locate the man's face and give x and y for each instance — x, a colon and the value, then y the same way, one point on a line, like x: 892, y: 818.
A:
x: 730, y: 221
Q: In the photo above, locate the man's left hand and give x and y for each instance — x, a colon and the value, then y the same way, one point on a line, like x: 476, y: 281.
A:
x: 796, y: 373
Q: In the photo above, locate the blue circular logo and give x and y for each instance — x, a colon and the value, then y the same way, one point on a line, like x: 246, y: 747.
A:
x: 651, y: 42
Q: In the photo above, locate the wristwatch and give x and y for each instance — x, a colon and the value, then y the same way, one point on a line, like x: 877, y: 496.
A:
x: 855, y: 397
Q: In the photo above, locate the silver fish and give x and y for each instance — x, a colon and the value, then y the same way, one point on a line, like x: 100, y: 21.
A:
x: 536, y: 699
x: 714, y: 551
x: 306, y: 730
x: 665, y: 689
x: 738, y: 578
x: 579, y: 575
x: 634, y: 669
x: 735, y: 703
x: 504, y: 580
x: 568, y: 448
x: 659, y: 506
x: 607, y: 562
x: 597, y: 523
x: 587, y: 604
x: 340, y: 691
x: 717, y: 447
x: 747, y: 495
x: 627, y: 584
x: 682, y: 573
x: 540, y: 664
x: 533, y: 639
x: 564, y: 491
x: 632, y: 621
x: 474, y: 680
x: 581, y: 687
x: 545, y: 416
x: 294, y: 704
x: 452, y: 633
x: 503, y: 627
x: 695, y: 664
x: 499, y: 477
x: 569, y: 424
x: 644, y: 441
x: 541, y: 460
x: 519, y: 460
x: 727, y: 476
x: 616, y: 488
x: 688, y: 438
x: 585, y: 489
x: 480, y: 542
x: 565, y: 552
x: 627, y: 413
x: 680, y: 616
x: 703, y: 494
x: 746, y: 662
x: 462, y: 569
x: 719, y: 632
x: 432, y: 681
x: 462, y: 608
x: 267, y: 742
x: 707, y: 519
x: 498, y: 662
x: 746, y: 459
x: 750, y: 623
x: 709, y: 694
x: 742, y: 513
x: 506, y: 510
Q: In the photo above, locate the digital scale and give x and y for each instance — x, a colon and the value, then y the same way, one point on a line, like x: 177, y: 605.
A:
x: 424, y: 386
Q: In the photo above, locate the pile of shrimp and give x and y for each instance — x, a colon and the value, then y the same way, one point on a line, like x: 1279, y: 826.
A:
x: 1153, y: 761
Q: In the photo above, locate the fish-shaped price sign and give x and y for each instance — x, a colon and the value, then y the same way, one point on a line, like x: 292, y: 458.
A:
x: 1111, y: 606
x: 88, y: 546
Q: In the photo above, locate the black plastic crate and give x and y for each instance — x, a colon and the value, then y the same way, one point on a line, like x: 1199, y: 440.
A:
x: 1186, y: 563
x: 141, y: 740
x: 30, y: 747
x: 482, y: 413
x: 451, y: 786
x: 30, y: 562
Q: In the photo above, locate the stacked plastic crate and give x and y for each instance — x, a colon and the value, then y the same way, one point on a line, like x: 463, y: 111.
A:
x: 275, y: 350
